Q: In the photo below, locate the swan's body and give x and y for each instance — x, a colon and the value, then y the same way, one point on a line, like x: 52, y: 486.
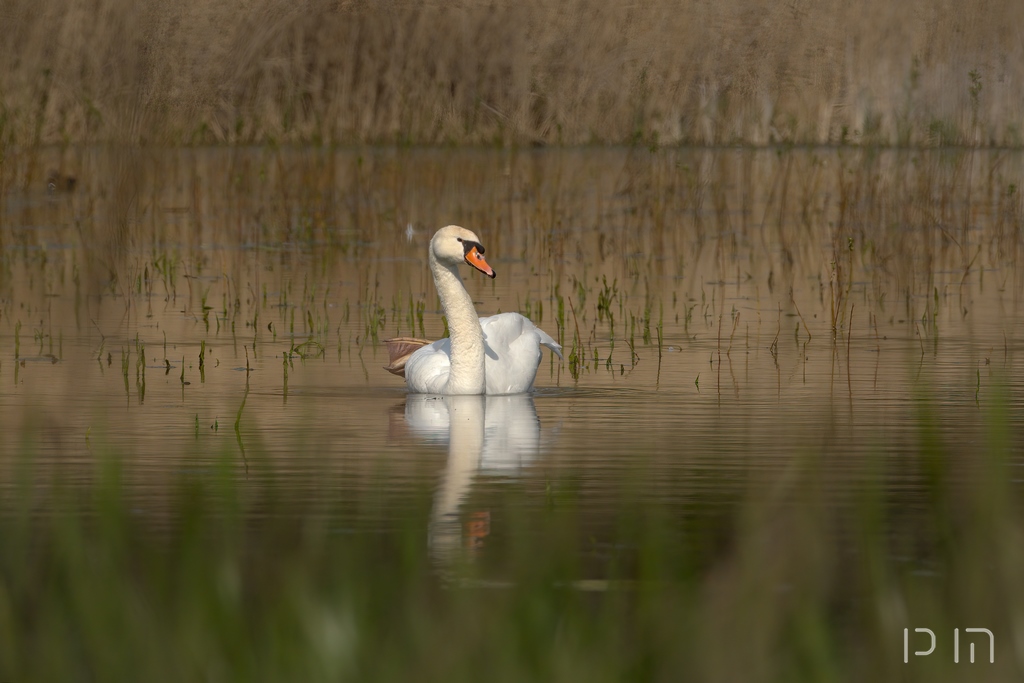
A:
x: 495, y: 355
x: 511, y: 357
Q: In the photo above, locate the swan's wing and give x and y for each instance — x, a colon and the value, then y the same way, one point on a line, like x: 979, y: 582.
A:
x: 426, y: 370
x: 399, y: 350
x: 512, y: 352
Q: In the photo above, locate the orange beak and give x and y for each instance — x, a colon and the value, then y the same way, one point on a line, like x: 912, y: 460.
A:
x: 476, y: 259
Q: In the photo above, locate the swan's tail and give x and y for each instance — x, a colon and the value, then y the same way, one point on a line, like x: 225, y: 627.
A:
x: 399, y: 350
x: 546, y: 340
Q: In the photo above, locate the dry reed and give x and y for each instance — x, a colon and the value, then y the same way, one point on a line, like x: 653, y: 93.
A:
x: 503, y: 72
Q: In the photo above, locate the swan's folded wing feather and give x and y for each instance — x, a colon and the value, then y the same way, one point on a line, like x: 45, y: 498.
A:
x: 399, y: 350
x: 546, y: 340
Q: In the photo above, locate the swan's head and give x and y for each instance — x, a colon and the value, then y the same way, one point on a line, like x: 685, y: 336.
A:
x: 453, y: 245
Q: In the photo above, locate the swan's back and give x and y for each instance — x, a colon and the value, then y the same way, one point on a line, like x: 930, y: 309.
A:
x: 511, y: 357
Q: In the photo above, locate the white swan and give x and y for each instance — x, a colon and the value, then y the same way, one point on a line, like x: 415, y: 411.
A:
x: 495, y: 355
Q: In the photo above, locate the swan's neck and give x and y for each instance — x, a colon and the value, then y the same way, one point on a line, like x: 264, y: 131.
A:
x: 467, y: 357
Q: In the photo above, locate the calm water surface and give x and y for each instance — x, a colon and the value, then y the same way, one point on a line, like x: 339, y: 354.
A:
x: 733, y: 314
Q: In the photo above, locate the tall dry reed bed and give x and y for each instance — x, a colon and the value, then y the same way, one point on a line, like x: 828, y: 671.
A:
x: 197, y: 71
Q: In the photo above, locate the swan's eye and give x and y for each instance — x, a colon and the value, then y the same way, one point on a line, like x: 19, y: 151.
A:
x: 459, y: 238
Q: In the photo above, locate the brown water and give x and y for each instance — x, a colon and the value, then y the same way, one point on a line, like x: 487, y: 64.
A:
x: 734, y: 311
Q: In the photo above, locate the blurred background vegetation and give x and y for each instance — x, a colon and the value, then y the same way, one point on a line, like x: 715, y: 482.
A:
x: 921, y: 72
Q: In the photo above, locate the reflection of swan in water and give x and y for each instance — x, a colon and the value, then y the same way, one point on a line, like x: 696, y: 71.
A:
x: 493, y: 434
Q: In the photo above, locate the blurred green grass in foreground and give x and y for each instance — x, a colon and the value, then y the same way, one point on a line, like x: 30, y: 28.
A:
x: 807, y: 575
